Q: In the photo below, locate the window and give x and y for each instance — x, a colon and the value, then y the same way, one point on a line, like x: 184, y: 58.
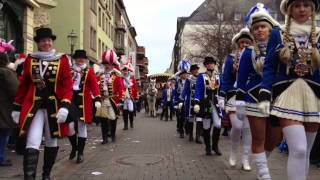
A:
x: 102, y: 47
x: 103, y: 22
x: 220, y: 16
x: 107, y: 27
x: 93, y: 5
x: 237, y: 16
x: 112, y: 6
x: 99, y: 16
x: 93, y: 39
x: 99, y: 46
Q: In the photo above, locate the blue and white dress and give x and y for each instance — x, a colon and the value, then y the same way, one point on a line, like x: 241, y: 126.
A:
x: 295, y: 88
x: 228, y: 82
x: 187, y: 97
x: 249, y: 79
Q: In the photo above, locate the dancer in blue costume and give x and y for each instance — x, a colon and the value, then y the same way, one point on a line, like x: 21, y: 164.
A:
x: 292, y: 78
x: 260, y: 23
x: 239, y: 128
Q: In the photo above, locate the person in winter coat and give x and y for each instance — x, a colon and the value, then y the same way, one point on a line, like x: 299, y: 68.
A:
x: 9, y: 84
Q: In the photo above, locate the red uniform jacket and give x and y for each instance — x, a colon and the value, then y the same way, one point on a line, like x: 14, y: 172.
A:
x: 134, y: 93
x: 116, y: 91
x: 58, y: 82
x: 91, y: 88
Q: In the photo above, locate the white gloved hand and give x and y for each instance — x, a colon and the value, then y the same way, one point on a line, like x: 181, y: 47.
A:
x: 180, y: 106
x: 264, y: 106
x: 62, y: 115
x: 97, y: 104
x: 196, y: 108
x: 15, y: 116
x: 241, y: 109
x: 221, y: 102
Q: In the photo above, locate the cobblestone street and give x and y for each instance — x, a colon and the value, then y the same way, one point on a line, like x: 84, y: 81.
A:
x: 152, y: 150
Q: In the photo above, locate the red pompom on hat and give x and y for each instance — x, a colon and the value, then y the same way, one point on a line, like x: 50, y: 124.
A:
x: 128, y: 66
x: 110, y: 57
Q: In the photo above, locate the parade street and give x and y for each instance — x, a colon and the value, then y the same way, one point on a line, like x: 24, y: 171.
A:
x: 152, y: 150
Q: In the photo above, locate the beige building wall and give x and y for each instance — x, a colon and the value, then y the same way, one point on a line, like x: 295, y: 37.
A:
x: 36, y: 14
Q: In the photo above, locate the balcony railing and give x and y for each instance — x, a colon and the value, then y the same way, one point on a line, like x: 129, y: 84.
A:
x: 121, y: 27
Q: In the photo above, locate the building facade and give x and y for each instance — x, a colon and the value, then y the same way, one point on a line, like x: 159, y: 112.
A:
x: 91, y: 21
x: 19, y: 19
x: 209, y: 29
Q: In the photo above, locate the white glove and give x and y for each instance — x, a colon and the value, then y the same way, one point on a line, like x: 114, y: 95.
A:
x: 97, y: 104
x: 62, y: 115
x: 180, y: 105
x: 241, y: 109
x: 196, y: 108
x: 221, y: 102
x: 15, y: 116
x: 264, y: 106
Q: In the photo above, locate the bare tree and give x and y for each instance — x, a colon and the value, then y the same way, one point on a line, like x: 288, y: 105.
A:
x: 213, y: 35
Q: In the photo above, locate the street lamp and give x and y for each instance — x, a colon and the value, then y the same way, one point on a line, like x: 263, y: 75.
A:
x: 72, y: 38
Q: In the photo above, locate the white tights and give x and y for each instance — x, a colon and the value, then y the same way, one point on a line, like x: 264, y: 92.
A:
x: 82, y: 129
x: 34, y: 137
x: 240, y: 128
x: 300, y: 144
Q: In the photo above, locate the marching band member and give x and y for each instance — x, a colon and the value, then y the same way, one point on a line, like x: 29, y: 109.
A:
x: 188, y: 99
x: 42, y: 102
x: 84, y: 85
x: 131, y: 94
x: 112, y: 93
x: 249, y: 78
x: 167, y: 101
x: 227, y: 93
x: 207, y: 86
x: 291, y: 74
x: 183, y: 67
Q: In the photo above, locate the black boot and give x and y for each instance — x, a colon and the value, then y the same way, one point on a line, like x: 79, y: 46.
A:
x: 50, y: 154
x: 190, y: 127
x: 81, y: 145
x: 104, y: 130
x: 131, y: 115
x: 198, y: 132
x: 125, y: 119
x: 206, y: 139
x: 113, y: 129
x: 225, y: 132
x: 186, y: 127
x: 215, y: 140
x: 30, y: 162
x: 73, y: 142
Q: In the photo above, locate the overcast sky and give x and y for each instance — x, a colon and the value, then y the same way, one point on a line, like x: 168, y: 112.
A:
x: 155, y: 22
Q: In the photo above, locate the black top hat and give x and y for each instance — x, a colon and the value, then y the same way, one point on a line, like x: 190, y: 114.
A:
x: 79, y: 53
x: 44, y: 33
x: 209, y: 60
x: 194, y: 67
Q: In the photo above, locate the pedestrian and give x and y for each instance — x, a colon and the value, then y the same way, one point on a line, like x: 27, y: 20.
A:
x: 167, y: 102
x: 9, y: 84
x: 206, y: 107
x: 112, y: 94
x: 240, y: 128
x: 291, y: 77
x: 260, y: 23
x: 84, y: 86
x: 184, y: 68
x: 42, y: 103
x: 130, y: 96
x: 187, y: 96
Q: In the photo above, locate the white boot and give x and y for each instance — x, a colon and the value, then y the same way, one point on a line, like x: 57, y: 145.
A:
x: 262, y: 166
